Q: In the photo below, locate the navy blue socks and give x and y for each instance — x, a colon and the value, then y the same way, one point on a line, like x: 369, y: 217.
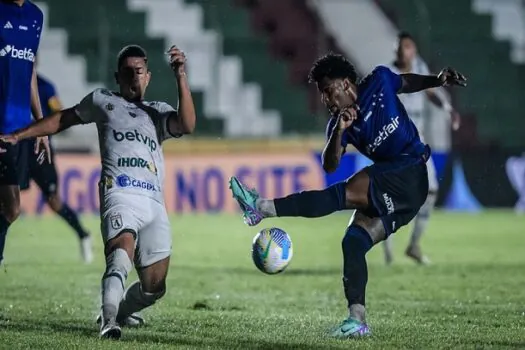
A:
x: 72, y: 219
x: 313, y: 204
x: 356, y: 243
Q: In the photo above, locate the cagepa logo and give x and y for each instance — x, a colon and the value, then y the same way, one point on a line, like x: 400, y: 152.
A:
x: 21, y: 54
x: 384, y: 133
x: 128, y: 181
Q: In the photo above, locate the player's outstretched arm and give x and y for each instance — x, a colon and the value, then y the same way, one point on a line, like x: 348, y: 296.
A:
x: 184, y: 121
x: 414, y: 82
x: 53, y: 124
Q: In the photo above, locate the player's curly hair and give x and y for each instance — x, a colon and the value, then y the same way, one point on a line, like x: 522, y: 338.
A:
x: 332, y: 66
x: 131, y: 51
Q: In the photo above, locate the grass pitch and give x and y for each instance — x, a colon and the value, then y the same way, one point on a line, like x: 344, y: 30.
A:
x: 473, y: 296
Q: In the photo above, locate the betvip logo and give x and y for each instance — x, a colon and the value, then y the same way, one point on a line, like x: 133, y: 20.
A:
x: 21, y: 54
x: 8, y: 25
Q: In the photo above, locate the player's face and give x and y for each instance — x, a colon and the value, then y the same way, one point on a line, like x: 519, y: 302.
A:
x: 406, y: 50
x: 336, y: 94
x: 133, y: 78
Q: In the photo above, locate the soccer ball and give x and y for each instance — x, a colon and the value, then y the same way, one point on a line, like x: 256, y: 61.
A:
x: 272, y: 250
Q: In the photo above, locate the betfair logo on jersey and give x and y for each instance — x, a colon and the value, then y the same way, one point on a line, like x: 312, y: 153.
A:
x: 136, y: 162
x: 135, y: 135
x: 384, y: 133
x: 21, y: 54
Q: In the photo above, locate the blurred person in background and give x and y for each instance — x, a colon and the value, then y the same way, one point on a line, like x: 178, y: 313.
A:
x: 515, y: 167
x: 45, y: 174
x: 408, y: 61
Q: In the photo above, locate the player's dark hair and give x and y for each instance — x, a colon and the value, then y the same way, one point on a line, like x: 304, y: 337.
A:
x: 332, y: 66
x: 131, y: 51
x: 405, y: 35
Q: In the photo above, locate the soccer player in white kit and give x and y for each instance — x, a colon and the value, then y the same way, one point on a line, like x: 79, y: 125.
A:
x: 134, y: 222
x: 408, y: 61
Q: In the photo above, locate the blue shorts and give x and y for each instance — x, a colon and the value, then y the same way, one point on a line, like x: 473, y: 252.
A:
x: 14, y: 169
x: 397, y: 191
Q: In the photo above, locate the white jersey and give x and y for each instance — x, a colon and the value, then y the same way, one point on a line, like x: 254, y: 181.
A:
x: 130, y: 136
x: 414, y: 103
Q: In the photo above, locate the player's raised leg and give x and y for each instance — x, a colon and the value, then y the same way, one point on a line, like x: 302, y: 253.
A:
x: 350, y: 194
x: 360, y: 236
x: 422, y: 218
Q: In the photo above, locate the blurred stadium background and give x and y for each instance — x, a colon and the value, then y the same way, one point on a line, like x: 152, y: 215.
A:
x: 248, y: 63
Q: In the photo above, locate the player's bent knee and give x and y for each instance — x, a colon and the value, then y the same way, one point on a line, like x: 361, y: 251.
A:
x: 155, y: 288
x: 54, y: 202
x: 356, y: 242
x: 150, y: 298
x: 153, y: 277
x: 125, y: 240
x: 356, y: 191
x: 374, y: 226
x: 11, y: 214
x: 118, y: 264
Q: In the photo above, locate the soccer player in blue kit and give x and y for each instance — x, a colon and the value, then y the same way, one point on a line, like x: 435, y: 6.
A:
x: 21, y: 24
x: 385, y: 195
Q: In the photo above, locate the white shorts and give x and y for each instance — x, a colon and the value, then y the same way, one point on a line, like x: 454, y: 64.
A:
x: 433, y: 182
x: 143, y: 216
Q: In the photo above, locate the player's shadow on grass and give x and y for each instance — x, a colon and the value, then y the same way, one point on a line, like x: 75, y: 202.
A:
x: 328, y: 271
x: 223, y: 343
x: 69, y: 326
x: 151, y: 337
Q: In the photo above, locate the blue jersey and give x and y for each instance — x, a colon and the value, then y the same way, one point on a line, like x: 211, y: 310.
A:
x: 47, y: 94
x: 20, y: 29
x: 383, y: 131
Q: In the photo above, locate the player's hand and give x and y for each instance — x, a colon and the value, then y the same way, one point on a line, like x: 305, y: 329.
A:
x: 451, y: 77
x: 455, y: 119
x: 42, y: 149
x: 346, y: 117
x: 9, y: 138
x: 177, y: 60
